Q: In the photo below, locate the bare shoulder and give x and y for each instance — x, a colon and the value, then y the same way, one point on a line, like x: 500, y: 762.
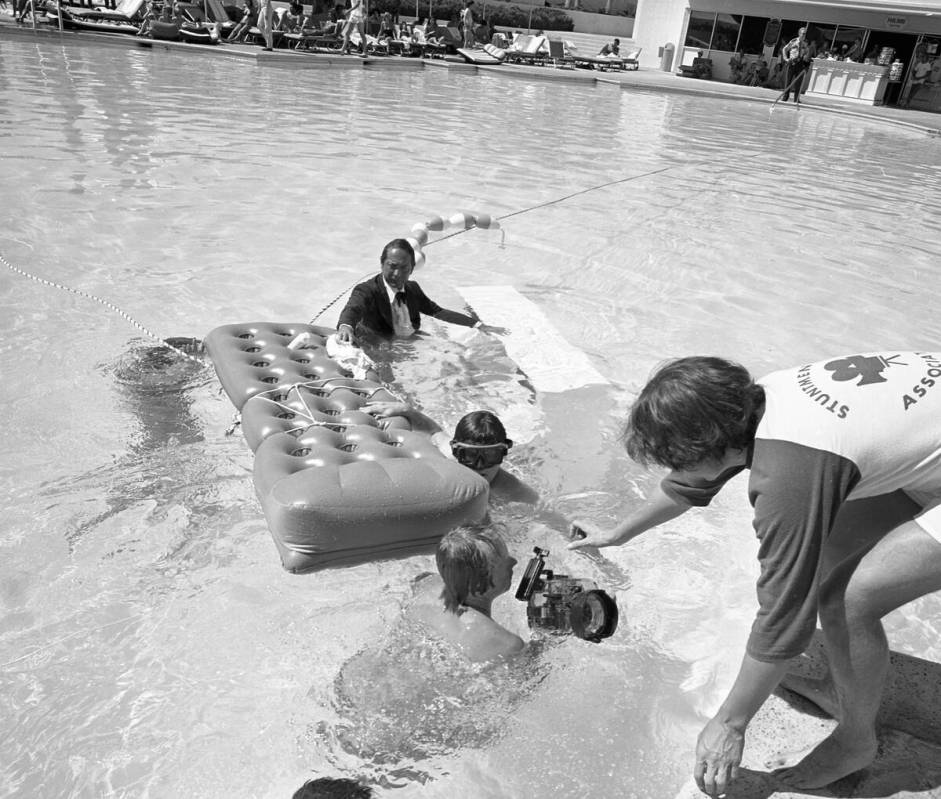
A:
x: 510, y: 488
x: 483, y: 639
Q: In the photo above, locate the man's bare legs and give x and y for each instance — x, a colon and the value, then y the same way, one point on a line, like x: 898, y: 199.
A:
x: 855, y: 595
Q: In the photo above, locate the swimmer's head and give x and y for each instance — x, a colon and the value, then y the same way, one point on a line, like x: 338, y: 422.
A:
x: 397, y: 262
x: 480, y: 443
x: 693, y: 411
x: 473, y: 563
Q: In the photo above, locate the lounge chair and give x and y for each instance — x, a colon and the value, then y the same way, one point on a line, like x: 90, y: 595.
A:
x: 528, y: 49
x: 602, y: 62
x: 320, y: 38
x: 496, y: 52
x: 630, y: 58
x: 426, y: 48
x: 129, y: 11
x: 482, y: 56
x: 558, y: 56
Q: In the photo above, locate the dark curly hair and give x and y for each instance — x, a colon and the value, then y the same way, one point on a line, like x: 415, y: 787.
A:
x: 693, y: 410
x: 480, y: 427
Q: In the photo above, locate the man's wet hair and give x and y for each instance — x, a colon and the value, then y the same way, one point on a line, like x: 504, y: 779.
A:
x: 398, y: 244
x: 464, y: 558
x: 693, y: 410
x: 333, y: 788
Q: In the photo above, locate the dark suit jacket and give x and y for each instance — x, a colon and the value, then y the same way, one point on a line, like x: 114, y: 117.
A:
x: 369, y: 306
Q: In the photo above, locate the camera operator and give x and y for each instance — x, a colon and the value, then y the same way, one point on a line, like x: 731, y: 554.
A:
x: 474, y: 568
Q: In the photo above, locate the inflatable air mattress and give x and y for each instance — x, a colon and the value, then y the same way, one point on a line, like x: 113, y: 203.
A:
x: 336, y: 485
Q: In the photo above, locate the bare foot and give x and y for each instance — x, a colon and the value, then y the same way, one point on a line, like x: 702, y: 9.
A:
x: 819, y: 691
x: 833, y: 758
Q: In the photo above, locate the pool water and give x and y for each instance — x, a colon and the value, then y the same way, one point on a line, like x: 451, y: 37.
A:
x: 150, y: 643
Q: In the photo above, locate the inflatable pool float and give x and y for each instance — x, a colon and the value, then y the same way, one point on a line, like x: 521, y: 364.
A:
x: 336, y: 485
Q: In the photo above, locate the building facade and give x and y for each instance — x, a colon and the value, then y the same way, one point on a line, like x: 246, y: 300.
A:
x: 906, y: 30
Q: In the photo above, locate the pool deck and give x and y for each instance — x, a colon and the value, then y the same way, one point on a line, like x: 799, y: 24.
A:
x: 648, y: 80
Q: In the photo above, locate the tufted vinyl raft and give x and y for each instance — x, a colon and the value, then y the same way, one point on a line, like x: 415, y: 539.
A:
x: 336, y: 485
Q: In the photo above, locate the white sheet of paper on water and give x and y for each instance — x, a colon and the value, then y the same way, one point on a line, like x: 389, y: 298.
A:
x: 549, y: 361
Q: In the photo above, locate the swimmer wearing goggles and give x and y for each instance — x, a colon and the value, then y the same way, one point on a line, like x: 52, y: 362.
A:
x: 479, y: 443
x: 480, y: 456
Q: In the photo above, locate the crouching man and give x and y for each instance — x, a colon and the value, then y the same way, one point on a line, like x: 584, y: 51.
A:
x: 845, y: 481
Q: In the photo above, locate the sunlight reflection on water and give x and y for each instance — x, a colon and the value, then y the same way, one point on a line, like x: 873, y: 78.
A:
x: 152, y: 645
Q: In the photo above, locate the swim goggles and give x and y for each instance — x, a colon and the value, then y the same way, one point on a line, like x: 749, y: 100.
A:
x: 480, y: 456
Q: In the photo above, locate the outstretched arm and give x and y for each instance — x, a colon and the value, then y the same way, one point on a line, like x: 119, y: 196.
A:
x: 458, y: 318
x: 658, y: 508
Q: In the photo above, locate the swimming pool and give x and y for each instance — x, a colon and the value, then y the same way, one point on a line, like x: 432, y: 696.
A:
x: 151, y: 644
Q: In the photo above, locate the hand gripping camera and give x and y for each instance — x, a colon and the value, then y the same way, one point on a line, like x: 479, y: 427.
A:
x: 563, y: 604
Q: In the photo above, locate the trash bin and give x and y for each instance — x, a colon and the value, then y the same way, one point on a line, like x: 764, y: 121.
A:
x: 666, y: 57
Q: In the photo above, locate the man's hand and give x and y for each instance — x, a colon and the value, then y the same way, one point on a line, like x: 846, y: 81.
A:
x: 718, y: 755
x: 345, y: 335
x: 586, y: 534
x: 493, y: 329
x: 383, y: 410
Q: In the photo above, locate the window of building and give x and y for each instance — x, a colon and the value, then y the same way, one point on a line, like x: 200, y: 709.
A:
x: 752, y: 35
x: 699, y: 30
x: 725, y: 36
x: 822, y: 36
x: 850, y: 42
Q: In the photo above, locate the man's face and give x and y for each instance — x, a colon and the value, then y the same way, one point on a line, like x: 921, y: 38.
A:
x: 397, y: 268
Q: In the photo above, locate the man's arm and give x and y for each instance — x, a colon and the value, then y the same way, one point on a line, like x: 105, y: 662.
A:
x: 458, y: 318
x: 659, y: 507
x: 353, y: 313
x: 720, y: 744
x: 418, y: 420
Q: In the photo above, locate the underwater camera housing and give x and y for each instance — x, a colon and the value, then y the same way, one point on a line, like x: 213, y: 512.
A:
x: 563, y: 604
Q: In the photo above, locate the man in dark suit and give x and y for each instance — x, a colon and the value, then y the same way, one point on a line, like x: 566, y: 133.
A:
x: 391, y: 305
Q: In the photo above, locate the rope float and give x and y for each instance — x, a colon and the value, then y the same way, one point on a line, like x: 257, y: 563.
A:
x: 462, y: 220
x: 110, y: 305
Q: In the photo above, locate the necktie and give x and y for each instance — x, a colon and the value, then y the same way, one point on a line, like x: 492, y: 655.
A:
x: 400, y: 318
